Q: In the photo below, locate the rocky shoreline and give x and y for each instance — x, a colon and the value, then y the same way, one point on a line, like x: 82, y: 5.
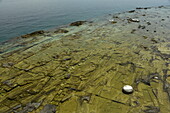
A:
x: 81, y: 68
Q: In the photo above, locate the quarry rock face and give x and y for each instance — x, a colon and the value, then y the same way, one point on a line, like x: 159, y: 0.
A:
x: 84, y: 70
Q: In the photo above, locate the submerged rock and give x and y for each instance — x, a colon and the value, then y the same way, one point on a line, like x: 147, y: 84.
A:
x: 77, y: 23
x: 33, y: 34
x: 61, y: 31
x: 112, y: 21
x: 148, y: 23
x: 132, y: 11
x: 143, y: 8
x: 141, y: 27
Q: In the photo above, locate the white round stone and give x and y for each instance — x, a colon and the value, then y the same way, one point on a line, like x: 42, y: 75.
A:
x: 156, y: 78
x: 112, y: 20
x: 128, y: 89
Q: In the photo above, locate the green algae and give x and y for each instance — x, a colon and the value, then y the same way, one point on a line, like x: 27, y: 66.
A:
x: 83, y: 70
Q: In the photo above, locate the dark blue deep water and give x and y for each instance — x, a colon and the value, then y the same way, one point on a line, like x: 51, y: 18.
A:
x: 18, y: 17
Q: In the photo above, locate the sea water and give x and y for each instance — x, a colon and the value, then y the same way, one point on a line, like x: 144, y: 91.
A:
x: 18, y: 17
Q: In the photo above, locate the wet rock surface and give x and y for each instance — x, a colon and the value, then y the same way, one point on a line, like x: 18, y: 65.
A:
x: 84, y: 70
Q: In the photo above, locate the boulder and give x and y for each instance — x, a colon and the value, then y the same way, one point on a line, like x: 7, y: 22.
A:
x: 132, y: 11
x: 133, y: 20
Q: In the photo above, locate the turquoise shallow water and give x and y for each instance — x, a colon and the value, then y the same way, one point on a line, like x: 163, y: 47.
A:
x: 18, y: 17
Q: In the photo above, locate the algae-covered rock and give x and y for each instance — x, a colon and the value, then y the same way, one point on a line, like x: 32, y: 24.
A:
x: 85, y: 69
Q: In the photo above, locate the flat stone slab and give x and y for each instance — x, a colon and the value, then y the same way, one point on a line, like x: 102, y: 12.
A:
x: 82, y: 68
